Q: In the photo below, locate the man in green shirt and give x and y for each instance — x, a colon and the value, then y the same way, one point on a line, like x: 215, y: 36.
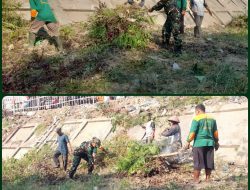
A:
x: 173, y: 9
x: 205, y: 135
x: 42, y: 14
x: 87, y: 151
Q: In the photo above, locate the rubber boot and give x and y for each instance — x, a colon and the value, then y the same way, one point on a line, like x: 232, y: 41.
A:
x: 58, y: 43
x: 196, y: 176
x: 32, y: 39
x: 177, y: 49
x: 71, y: 174
x: 196, y: 31
x: 165, y: 43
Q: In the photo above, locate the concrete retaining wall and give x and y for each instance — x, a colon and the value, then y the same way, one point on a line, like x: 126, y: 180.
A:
x: 80, y: 10
x: 24, y: 139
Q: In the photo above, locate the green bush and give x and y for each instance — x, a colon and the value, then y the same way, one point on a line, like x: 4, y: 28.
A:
x: 17, y: 171
x: 10, y: 19
x: 125, y: 27
x: 136, y: 157
x: 128, y: 121
x: 240, y: 22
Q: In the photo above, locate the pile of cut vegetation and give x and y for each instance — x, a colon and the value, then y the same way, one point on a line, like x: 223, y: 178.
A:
x: 126, y: 27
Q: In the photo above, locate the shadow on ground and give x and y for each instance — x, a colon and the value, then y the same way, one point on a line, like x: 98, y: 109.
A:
x: 216, y: 63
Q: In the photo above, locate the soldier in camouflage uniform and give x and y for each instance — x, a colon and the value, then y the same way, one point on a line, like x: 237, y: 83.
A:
x: 87, y: 151
x: 172, y: 24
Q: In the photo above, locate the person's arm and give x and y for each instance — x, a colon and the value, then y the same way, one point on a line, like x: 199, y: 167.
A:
x: 191, y: 4
x: 33, y: 7
x: 94, y: 155
x: 183, y: 6
x: 208, y: 9
x: 157, y: 7
x: 216, y: 136
x: 153, y: 128
x: 69, y: 145
x: 192, y: 133
x: 103, y: 149
x: 169, y: 132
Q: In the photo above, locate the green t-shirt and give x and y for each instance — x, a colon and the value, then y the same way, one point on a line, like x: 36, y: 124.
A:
x: 203, y: 131
x: 44, y: 10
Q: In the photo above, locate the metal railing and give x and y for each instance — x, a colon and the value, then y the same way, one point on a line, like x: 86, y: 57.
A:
x: 13, y: 105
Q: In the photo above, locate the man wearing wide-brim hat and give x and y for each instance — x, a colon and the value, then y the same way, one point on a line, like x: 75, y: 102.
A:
x: 174, y: 131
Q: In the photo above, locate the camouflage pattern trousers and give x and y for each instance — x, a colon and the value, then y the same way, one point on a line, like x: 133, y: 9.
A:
x: 172, y: 26
x: 76, y: 161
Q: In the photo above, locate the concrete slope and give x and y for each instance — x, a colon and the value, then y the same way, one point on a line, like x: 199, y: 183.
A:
x: 79, y: 10
x: 24, y: 139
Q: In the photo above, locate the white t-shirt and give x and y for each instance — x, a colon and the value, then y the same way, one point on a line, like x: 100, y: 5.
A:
x: 198, y: 7
x: 149, y: 129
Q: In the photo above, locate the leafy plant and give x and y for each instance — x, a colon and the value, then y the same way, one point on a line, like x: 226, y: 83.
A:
x: 240, y: 22
x: 10, y: 19
x: 125, y: 27
x: 136, y: 157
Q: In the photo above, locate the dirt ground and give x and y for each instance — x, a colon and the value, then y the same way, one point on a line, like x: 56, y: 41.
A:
x: 225, y: 176
x: 211, y: 64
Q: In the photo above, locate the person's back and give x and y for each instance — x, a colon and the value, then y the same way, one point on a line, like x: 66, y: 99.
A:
x: 205, y: 135
x: 86, y: 148
x: 44, y: 10
x: 206, y: 127
x: 168, y: 5
x: 62, y: 143
x: 177, y: 135
x: 87, y: 151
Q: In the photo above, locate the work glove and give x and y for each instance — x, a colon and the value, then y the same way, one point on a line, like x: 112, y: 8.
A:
x: 216, y: 146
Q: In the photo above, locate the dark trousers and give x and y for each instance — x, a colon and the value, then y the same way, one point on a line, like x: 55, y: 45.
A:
x: 76, y: 161
x: 203, y: 157
x: 182, y: 24
x: 172, y: 26
x: 56, y: 159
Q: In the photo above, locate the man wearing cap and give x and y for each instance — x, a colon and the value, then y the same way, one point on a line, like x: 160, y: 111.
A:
x: 149, y: 129
x: 205, y: 135
x: 41, y: 15
x: 87, y: 151
x: 174, y: 131
x: 62, y: 149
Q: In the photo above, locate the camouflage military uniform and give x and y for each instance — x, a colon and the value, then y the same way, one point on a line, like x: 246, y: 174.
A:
x: 85, y: 151
x: 172, y: 24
